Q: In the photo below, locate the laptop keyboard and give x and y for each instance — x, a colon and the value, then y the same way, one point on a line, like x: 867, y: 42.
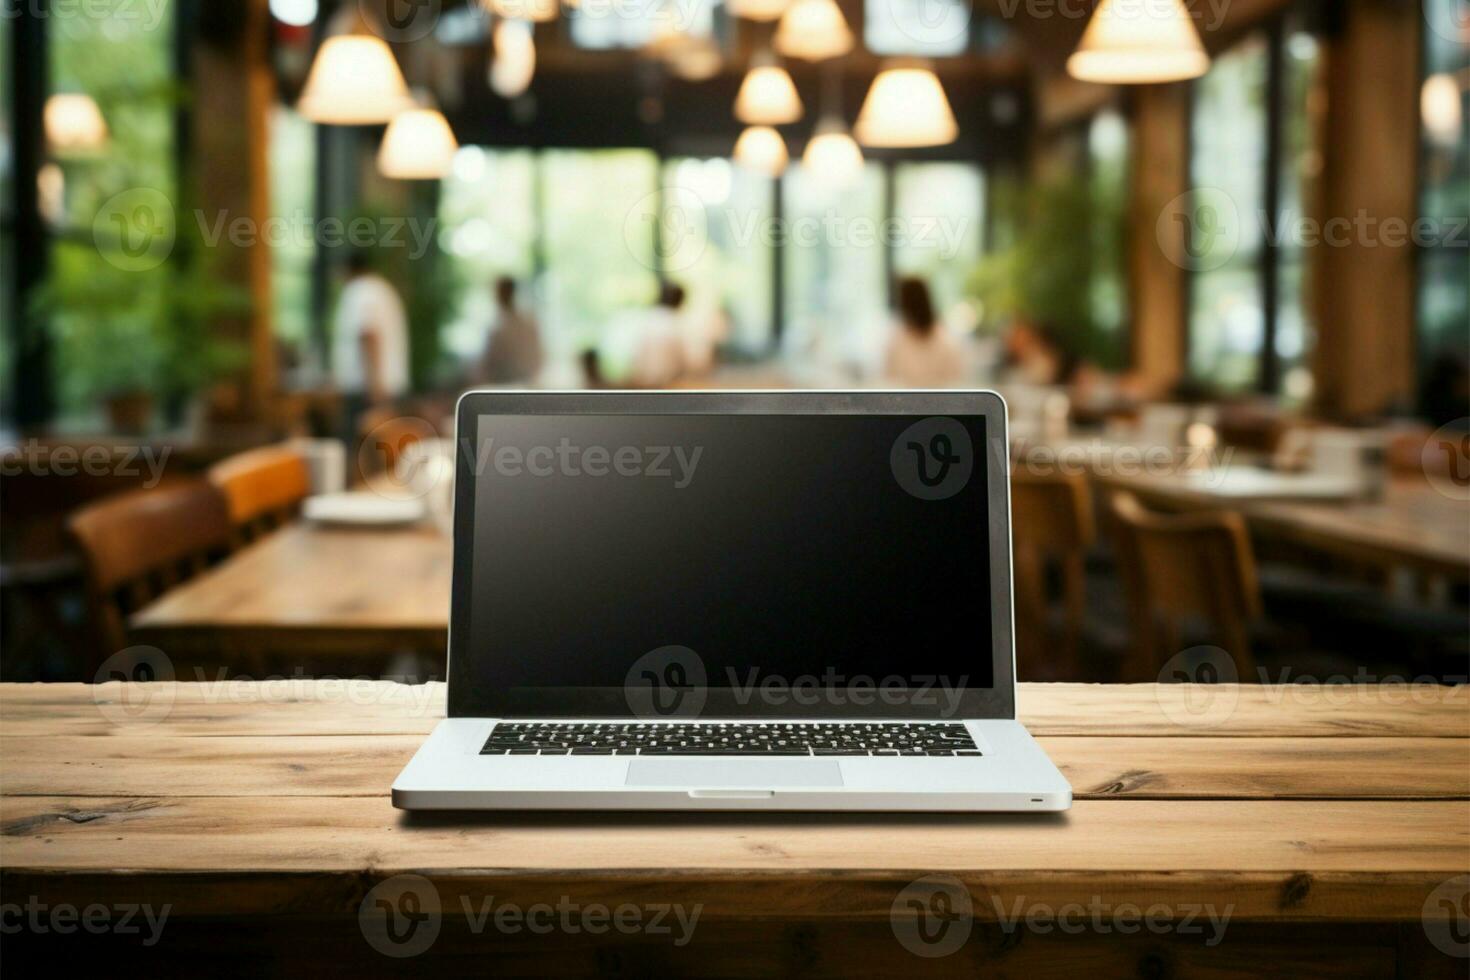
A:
x: 731, y: 738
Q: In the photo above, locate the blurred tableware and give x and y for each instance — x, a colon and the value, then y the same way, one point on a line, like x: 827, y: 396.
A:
x: 1163, y: 424
x: 326, y: 461
x: 427, y: 468
x: 362, y: 509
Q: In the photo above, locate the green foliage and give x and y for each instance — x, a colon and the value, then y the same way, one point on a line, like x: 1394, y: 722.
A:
x: 1062, y: 266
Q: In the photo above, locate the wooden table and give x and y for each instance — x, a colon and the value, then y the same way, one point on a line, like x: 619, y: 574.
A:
x: 1413, y: 525
x: 1323, y: 822
x: 312, y: 590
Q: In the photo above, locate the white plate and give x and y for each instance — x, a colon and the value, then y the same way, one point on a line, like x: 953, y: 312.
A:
x: 362, y: 510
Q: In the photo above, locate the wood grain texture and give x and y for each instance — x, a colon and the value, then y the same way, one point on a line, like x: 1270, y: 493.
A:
x: 313, y: 588
x: 148, y: 765
x: 348, y: 706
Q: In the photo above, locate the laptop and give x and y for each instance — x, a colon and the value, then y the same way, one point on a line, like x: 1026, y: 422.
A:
x: 734, y: 600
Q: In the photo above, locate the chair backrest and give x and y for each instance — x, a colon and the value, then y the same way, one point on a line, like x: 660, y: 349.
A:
x: 1181, y: 566
x: 138, y: 544
x: 263, y: 488
x: 1052, y: 525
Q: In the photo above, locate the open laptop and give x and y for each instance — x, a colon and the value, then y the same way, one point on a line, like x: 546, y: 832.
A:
x: 732, y: 601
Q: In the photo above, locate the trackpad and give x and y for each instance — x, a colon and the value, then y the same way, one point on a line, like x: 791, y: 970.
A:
x: 763, y: 774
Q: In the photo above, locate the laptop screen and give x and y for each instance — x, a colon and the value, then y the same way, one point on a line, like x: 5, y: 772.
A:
x: 775, y: 555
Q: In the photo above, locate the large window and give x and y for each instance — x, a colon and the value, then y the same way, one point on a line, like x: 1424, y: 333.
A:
x: 1228, y: 172
x: 487, y: 229
x: 940, y: 220
x: 1301, y: 164
x: 292, y: 164
x: 836, y: 288
x: 113, y: 210
x: 933, y: 28
x: 714, y: 240
x: 1444, y: 284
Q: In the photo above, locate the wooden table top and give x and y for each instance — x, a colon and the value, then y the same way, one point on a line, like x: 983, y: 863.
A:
x: 1413, y: 524
x: 310, y: 587
x: 1295, y: 803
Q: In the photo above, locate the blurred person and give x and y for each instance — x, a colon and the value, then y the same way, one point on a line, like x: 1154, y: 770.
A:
x: 922, y: 353
x: 658, y: 356
x: 513, y: 352
x: 1033, y: 356
x: 369, y: 342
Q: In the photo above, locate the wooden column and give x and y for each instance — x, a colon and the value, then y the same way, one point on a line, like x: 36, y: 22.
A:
x: 233, y: 92
x: 1158, y: 282
x: 1362, y: 274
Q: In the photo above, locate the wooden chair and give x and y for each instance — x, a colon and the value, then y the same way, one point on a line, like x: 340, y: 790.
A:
x: 1053, y: 528
x: 137, y: 545
x: 1181, y: 567
x: 263, y: 489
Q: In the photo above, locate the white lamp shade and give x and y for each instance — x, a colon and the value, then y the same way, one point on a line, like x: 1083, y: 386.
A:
x: 757, y: 9
x: 1139, y: 42
x: 74, y: 124
x: 354, y: 81
x: 532, y: 10
x: 832, y: 155
x: 813, y: 30
x: 419, y: 145
x: 906, y: 107
x: 761, y: 149
x: 514, y: 64
x: 767, y: 97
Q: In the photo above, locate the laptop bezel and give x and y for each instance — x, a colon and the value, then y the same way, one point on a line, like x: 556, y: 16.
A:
x: 996, y: 702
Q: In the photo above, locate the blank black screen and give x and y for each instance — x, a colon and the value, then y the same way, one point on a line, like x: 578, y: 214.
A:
x: 771, y: 545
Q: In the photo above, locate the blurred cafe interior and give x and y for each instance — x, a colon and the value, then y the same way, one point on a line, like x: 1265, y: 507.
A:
x: 1214, y: 253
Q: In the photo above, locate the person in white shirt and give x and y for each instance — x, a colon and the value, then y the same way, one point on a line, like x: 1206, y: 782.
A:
x: 659, y: 355
x: 513, y: 352
x: 921, y: 352
x: 369, y: 341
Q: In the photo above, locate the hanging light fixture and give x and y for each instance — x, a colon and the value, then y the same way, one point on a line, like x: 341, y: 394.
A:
x: 514, y: 64
x: 538, y: 11
x: 813, y: 30
x: 74, y: 124
x: 1132, y: 42
x: 906, y: 107
x: 763, y: 10
x: 354, y: 81
x: 767, y: 96
x: 832, y: 154
x: 761, y: 149
x: 419, y: 145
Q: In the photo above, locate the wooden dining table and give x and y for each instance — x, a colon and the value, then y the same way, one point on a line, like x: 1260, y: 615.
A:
x: 311, y: 590
x: 1412, y: 525
x: 1217, y: 830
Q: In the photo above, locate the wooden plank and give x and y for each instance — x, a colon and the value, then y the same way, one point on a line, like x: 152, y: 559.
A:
x: 1097, y: 767
x: 1299, y: 860
x: 309, y: 577
x: 300, y: 706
